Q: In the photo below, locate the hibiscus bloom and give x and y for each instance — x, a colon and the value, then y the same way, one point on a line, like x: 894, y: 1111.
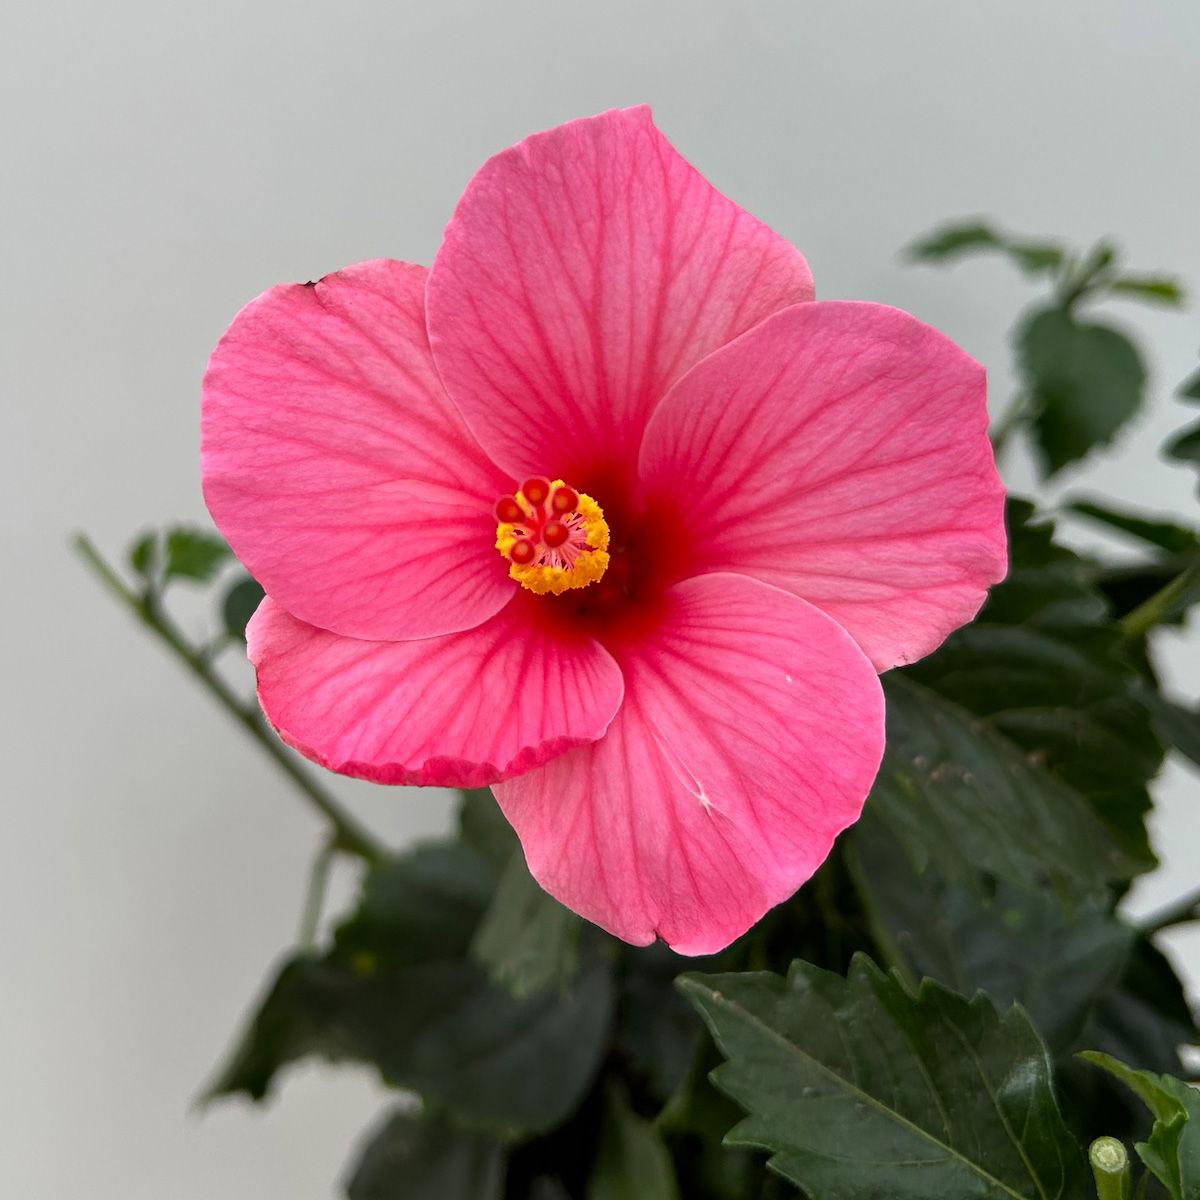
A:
x: 603, y: 509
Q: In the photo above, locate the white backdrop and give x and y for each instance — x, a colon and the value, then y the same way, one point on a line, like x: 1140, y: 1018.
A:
x: 164, y: 162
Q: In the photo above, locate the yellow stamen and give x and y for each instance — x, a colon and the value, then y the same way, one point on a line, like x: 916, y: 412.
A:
x: 587, y: 565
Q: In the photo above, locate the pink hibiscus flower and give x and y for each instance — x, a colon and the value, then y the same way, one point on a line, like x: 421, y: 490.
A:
x: 604, y: 510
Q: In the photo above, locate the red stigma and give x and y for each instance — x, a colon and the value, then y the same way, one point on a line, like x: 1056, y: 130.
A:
x: 509, y: 511
x: 522, y: 552
x: 564, y: 500
x: 555, y: 533
x: 535, y: 491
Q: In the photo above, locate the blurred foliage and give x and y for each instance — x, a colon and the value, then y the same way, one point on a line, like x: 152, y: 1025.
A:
x: 1082, y: 381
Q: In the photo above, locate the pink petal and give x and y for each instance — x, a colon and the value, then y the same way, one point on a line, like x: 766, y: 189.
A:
x: 751, y: 731
x: 462, y: 710
x: 839, y: 451
x: 584, y: 270
x: 339, y: 470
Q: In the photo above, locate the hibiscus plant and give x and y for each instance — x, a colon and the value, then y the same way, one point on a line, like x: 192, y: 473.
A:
x: 802, y: 774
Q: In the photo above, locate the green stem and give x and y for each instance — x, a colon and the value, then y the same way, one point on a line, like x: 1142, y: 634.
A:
x: 1178, y: 912
x: 314, y: 896
x: 348, y: 834
x: 1110, y: 1169
x: 1158, y: 607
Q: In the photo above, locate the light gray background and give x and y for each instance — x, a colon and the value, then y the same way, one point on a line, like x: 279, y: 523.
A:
x: 162, y: 163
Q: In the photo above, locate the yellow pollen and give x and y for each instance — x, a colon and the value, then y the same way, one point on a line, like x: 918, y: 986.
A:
x: 583, y: 559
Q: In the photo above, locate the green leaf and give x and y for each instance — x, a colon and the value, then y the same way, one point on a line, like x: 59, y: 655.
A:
x: 1053, y: 954
x: 146, y: 553
x: 1165, y: 535
x: 1189, y: 389
x: 483, y: 827
x: 1172, y: 1151
x: 527, y: 941
x: 954, y: 240
x: 1186, y: 446
x: 419, y: 907
x: 859, y: 1088
x: 957, y: 239
x: 1047, y: 667
x: 953, y: 791
x: 238, y: 606
x: 1177, y: 726
x: 632, y: 1162
x: 424, y: 1157
x: 1160, y: 288
x: 658, y: 1033
x: 394, y: 991
x: 1146, y: 1017
x: 1036, y: 258
x: 194, y: 554
x: 1085, y: 382
x: 290, y: 1021
x: 442, y: 1030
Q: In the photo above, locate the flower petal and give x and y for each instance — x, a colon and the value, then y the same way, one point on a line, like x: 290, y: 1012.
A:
x: 751, y: 730
x: 840, y: 451
x: 338, y: 469
x: 584, y: 270
x: 462, y: 710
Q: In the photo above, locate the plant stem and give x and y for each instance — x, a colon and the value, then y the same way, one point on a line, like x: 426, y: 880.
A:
x: 314, y: 896
x: 348, y: 834
x: 1178, y: 912
x: 1158, y: 607
x: 1110, y: 1168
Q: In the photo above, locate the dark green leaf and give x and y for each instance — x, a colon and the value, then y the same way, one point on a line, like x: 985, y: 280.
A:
x: 657, y: 1030
x: 527, y: 941
x: 194, y: 553
x: 1085, y: 382
x: 1036, y: 257
x: 1170, y: 605
x: 419, y: 907
x: 145, y: 553
x: 1177, y: 726
x: 632, y: 1162
x: 1160, y: 288
x: 1186, y: 446
x: 953, y: 791
x: 1046, y: 666
x: 423, y: 1157
x: 483, y: 827
x: 1189, y: 389
x: 441, y: 1030
x: 1166, y: 535
x: 1052, y: 953
x: 512, y: 1066
x: 547, y: 1188
x: 951, y: 241
x: 860, y: 1089
x: 394, y: 992
x: 1172, y: 1151
x: 1146, y: 1017
x: 239, y: 604
x: 291, y: 1021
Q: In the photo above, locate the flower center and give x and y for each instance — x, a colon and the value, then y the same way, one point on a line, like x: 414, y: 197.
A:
x: 554, y: 537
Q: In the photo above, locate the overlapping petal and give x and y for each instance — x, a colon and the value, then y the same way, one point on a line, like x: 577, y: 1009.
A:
x: 750, y: 733
x: 838, y: 450
x: 584, y: 270
x: 337, y: 467
x: 461, y: 710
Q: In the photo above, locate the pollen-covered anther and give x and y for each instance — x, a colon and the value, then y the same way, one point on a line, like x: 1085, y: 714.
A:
x: 554, y: 537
